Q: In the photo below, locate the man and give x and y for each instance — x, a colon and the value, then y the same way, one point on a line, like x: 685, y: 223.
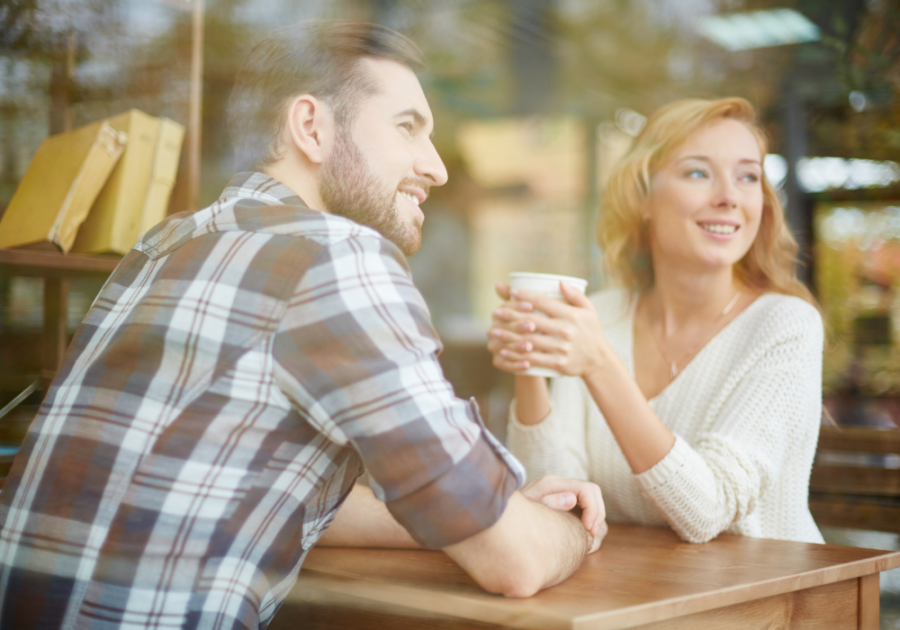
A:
x: 244, y: 363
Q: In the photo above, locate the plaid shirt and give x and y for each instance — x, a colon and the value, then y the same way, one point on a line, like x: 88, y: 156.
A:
x: 236, y: 373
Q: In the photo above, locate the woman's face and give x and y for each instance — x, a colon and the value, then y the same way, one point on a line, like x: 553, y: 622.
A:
x: 706, y: 201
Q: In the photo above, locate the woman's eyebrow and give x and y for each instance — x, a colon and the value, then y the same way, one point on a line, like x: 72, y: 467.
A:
x: 704, y: 158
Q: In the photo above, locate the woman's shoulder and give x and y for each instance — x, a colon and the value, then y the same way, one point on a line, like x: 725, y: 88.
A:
x: 611, y: 304
x: 785, y: 315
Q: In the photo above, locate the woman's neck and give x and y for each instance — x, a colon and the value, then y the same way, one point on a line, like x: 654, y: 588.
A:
x: 679, y: 297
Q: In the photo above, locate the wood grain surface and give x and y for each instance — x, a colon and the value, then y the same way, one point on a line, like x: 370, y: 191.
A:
x: 51, y: 264
x: 859, y: 440
x: 640, y: 577
x: 855, y: 480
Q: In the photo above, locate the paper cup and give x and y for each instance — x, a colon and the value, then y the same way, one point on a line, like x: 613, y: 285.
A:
x: 548, y: 284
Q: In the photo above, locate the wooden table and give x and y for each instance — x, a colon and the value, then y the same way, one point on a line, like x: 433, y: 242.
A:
x: 641, y: 578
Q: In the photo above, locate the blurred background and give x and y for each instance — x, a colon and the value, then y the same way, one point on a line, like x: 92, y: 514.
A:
x: 534, y: 100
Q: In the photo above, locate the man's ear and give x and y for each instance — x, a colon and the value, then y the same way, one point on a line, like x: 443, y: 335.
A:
x: 310, y: 127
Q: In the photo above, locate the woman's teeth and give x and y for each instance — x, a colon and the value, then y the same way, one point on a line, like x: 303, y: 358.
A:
x: 719, y: 228
x: 412, y: 198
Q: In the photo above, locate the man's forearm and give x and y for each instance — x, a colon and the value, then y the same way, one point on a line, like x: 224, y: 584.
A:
x: 561, y: 543
x: 530, y: 548
x: 364, y: 521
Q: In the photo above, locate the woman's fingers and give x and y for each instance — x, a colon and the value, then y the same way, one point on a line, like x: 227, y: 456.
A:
x: 574, y: 296
x: 539, y: 301
x: 549, y: 358
x: 512, y: 311
x: 525, y: 360
x: 508, y: 365
x: 504, y: 340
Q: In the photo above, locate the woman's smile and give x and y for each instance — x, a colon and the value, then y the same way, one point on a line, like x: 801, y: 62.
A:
x: 719, y: 230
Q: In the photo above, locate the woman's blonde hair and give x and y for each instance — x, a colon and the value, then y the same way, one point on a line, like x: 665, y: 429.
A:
x: 771, y: 262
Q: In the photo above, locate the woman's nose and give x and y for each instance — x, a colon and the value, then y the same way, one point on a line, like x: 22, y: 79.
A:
x: 726, y: 194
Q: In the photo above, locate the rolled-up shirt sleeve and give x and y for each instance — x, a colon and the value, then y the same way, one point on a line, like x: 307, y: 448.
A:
x: 357, y: 353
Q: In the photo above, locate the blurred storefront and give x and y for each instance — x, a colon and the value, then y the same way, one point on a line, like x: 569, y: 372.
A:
x: 858, y: 277
x: 533, y: 101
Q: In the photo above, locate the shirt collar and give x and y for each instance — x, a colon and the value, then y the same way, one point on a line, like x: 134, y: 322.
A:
x: 256, y: 185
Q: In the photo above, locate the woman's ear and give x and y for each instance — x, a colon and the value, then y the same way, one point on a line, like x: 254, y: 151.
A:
x: 310, y: 128
x: 644, y: 210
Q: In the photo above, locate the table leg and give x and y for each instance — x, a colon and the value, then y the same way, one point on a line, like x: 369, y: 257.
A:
x: 56, y: 327
x: 869, y: 602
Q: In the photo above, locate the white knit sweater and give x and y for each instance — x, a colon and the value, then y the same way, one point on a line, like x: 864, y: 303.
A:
x: 745, y: 413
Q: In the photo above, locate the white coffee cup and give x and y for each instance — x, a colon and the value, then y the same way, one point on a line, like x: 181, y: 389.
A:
x: 548, y: 284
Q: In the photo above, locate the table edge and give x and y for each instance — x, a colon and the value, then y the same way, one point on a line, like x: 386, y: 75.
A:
x: 487, y: 610
x: 733, y: 595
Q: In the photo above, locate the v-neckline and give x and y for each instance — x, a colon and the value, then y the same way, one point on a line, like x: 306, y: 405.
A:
x: 632, y: 311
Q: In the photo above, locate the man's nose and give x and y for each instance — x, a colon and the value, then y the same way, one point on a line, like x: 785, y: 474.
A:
x: 430, y: 166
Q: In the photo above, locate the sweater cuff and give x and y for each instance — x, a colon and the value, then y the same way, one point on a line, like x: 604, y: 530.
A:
x: 666, y: 468
x: 540, y: 432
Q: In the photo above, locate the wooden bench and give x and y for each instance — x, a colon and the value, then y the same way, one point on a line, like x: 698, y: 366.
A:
x: 853, y: 484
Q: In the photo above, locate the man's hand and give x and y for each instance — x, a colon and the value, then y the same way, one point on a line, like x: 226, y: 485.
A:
x: 564, y: 495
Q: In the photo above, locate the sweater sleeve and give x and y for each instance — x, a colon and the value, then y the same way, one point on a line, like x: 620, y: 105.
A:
x: 556, y: 445
x: 770, y: 412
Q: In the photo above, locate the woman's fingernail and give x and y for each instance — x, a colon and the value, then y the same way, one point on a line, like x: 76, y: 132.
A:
x: 495, y: 332
x: 514, y: 292
x: 504, y: 353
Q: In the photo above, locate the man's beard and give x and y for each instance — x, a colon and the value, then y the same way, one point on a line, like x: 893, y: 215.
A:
x: 351, y: 190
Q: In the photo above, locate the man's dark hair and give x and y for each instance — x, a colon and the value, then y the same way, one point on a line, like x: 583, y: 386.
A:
x: 317, y: 57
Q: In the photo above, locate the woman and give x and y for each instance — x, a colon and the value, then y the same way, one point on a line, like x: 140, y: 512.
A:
x: 697, y: 394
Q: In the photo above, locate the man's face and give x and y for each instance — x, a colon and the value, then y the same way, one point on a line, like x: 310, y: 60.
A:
x: 384, y: 163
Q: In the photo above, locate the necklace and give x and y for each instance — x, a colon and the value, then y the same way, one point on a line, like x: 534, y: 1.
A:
x: 674, y: 364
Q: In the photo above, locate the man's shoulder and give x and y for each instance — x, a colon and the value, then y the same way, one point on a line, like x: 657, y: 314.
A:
x: 290, y: 217
x: 255, y: 218
x: 258, y: 207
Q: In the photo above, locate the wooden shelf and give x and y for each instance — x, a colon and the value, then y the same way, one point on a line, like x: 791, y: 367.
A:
x: 49, y: 264
x: 56, y: 269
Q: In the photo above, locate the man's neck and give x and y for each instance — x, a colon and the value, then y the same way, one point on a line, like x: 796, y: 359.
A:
x: 303, y: 183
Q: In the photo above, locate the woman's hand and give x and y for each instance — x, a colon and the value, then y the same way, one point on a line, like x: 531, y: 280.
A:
x: 509, y: 317
x: 533, y: 330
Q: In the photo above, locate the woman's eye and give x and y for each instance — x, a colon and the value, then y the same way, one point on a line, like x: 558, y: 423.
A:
x: 750, y: 178
x: 696, y: 173
x: 407, y: 127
